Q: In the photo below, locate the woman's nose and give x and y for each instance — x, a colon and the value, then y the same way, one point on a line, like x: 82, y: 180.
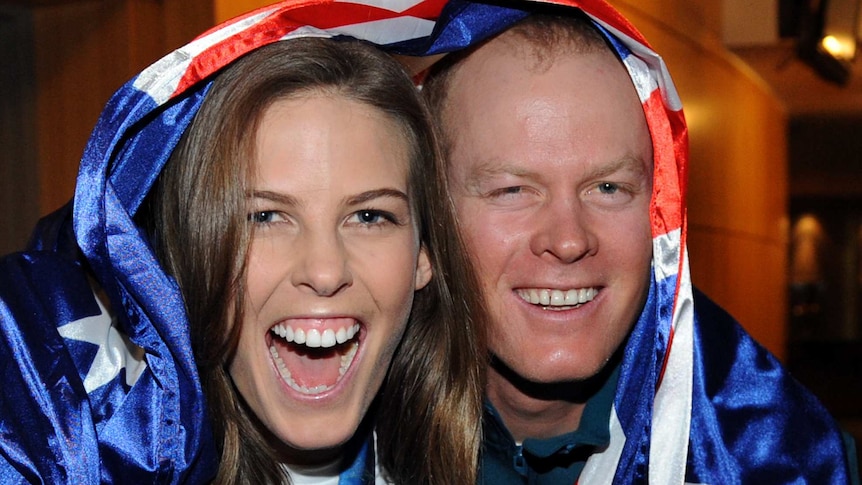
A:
x: 322, y: 264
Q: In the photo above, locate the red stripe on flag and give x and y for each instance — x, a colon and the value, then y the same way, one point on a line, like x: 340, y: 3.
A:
x: 287, y: 5
x: 429, y: 9
x: 329, y: 16
x: 233, y: 47
x: 290, y: 16
x: 667, y: 209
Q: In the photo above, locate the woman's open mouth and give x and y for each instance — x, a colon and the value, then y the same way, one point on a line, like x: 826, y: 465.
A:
x: 312, y: 355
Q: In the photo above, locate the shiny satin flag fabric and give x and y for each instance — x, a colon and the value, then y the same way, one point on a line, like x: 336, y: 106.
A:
x: 103, y: 388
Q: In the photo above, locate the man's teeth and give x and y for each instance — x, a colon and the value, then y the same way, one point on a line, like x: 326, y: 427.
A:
x: 555, y: 298
x: 313, y: 337
x: 346, y: 360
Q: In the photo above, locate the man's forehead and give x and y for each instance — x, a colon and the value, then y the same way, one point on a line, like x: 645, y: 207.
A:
x: 541, y: 39
x: 493, y: 61
x: 477, y: 170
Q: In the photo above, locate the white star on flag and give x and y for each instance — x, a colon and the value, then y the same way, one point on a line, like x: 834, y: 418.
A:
x: 115, y: 349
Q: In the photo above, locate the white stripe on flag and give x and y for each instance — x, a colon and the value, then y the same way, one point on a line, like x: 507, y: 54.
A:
x: 161, y: 79
x: 671, y: 419
x: 656, y: 65
x: 601, y: 467
x: 643, y: 80
x: 665, y: 249
x: 388, y: 31
x: 391, y: 5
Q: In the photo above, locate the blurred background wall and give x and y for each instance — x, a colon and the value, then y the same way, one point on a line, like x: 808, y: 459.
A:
x: 61, y: 61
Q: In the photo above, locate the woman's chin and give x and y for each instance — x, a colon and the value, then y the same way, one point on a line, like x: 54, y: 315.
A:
x: 318, y: 435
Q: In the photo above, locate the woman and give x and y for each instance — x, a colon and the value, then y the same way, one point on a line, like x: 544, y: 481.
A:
x: 296, y: 215
x: 284, y: 217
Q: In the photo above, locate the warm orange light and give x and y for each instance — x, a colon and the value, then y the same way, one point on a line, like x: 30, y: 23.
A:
x: 840, y: 48
x: 808, y: 238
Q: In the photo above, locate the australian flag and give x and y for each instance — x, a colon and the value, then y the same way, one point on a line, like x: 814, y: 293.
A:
x: 99, y: 381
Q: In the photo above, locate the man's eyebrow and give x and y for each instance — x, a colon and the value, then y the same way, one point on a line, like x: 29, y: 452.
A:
x: 376, y: 194
x: 627, y: 163
x: 491, y: 168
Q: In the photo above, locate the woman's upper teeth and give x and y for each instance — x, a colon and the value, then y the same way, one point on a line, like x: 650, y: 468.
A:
x: 551, y: 297
x: 313, y: 337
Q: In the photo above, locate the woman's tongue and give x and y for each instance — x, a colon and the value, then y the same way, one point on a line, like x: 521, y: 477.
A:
x: 313, y: 367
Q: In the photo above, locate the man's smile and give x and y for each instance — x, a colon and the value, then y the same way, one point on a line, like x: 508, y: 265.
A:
x: 557, y: 298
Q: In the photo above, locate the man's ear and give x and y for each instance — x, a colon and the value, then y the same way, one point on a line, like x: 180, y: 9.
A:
x: 423, y: 269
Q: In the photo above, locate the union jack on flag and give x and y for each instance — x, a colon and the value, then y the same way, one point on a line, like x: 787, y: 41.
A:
x: 102, y: 387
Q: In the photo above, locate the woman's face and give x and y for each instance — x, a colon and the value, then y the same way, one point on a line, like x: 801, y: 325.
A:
x: 334, y: 261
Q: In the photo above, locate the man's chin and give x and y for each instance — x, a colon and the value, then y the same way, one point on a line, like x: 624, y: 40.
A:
x: 549, y: 382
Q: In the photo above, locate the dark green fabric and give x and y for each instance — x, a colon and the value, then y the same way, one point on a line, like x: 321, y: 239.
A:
x: 850, y: 449
x: 556, y: 460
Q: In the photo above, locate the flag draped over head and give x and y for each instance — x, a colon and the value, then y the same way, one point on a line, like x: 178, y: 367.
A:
x: 111, y: 374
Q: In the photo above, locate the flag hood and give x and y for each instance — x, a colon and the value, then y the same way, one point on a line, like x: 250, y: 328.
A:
x: 697, y: 399
x: 144, y: 120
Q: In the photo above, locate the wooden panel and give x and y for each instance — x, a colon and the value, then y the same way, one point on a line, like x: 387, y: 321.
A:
x: 698, y: 19
x: 825, y: 156
x: 35, y: 3
x: 226, y: 9
x: 160, y: 27
x: 81, y: 58
x: 19, y: 188
x: 84, y: 52
x: 741, y: 274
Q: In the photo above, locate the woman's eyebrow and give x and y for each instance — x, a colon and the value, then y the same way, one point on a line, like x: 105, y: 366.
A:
x: 363, y: 197
x: 283, y: 199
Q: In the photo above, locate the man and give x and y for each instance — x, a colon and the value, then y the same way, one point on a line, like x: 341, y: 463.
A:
x: 570, y: 202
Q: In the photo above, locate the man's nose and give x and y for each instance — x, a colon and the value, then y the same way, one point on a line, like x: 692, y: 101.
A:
x: 322, y: 266
x: 562, y: 233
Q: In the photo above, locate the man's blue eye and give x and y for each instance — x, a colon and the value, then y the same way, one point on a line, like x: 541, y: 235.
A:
x: 507, y: 191
x: 608, y: 188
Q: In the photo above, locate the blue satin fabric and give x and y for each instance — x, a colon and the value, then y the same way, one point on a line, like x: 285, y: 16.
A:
x: 462, y: 24
x: 42, y: 403
x: 52, y: 431
x: 362, y: 470
x: 636, y: 388
x: 155, y: 431
x: 752, y: 421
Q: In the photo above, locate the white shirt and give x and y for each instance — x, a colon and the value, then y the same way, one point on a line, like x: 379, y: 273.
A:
x: 327, y: 474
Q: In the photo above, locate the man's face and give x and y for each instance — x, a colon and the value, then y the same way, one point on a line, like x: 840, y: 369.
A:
x: 551, y: 173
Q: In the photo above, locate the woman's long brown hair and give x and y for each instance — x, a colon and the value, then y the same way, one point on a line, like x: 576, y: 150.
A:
x: 428, y: 417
